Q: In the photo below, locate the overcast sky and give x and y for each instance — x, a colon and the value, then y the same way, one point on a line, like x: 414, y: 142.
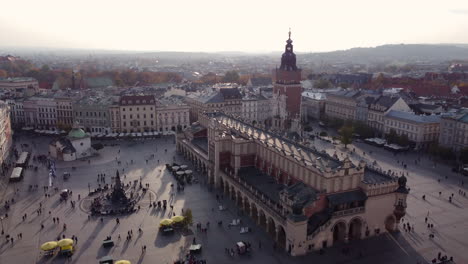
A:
x: 238, y: 25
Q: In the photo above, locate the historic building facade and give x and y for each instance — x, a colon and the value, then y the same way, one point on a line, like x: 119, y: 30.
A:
x: 92, y: 113
x: 454, y: 131
x: 306, y: 200
x: 226, y: 100
x: 5, y: 132
x: 172, y: 115
x: 421, y: 129
x: 137, y: 113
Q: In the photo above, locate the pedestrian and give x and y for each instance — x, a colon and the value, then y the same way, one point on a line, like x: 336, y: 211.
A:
x: 53, y: 219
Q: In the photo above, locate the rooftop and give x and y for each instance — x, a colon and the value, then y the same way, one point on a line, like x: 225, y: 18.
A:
x: 301, y: 194
x: 262, y: 182
x: 18, y: 79
x: 413, y: 118
x: 201, y: 143
x: 137, y: 100
x: 303, y: 154
x: 314, y: 95
x: 77, y: 133
x: 95, y: 100
x: 372, y: 176
x: 347, y: 197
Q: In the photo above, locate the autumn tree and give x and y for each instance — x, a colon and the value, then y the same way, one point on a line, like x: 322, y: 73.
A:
x: 3, y: 73
x: 188, y: 218
x: 346, y: 135
x: 231, y: 77
x: 322, y: 84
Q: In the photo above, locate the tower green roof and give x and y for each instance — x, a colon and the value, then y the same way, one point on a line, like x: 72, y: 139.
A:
x: 77, y: 133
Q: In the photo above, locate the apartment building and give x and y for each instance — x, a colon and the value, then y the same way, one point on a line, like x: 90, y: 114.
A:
x: 454, y: 131
x: 137, y: 113
x: 420, y: 129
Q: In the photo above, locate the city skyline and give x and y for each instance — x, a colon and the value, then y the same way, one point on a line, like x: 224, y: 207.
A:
x: 206, y: 26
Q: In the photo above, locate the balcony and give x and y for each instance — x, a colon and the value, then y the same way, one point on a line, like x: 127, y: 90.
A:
x: 347, y: 212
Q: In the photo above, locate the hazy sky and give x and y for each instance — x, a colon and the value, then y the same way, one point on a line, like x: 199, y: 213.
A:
x: 239, y: 25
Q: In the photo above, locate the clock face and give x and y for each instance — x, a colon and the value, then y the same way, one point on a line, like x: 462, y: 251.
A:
x: 288, y: 48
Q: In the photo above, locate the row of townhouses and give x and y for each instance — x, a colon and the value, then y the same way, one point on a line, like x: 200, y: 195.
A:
x: 5, y: 133
x: 423, y: 124
x: 101, y: 113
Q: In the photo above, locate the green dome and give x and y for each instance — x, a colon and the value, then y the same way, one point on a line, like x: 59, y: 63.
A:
x: 77, y: 133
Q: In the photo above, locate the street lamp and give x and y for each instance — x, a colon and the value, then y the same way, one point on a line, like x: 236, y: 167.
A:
x: 1, y: 220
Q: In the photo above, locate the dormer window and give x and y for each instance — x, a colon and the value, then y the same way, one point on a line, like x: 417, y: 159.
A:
x: 144, y: 101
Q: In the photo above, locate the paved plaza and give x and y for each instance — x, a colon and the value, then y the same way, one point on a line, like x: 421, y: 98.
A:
x: 450, y: 227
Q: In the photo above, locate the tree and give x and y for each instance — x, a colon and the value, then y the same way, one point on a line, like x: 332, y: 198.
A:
x: 392, y: 136
x: 403, y: 140
x: 188, y: 218
x: 464, y: 155
x: 231, y: 77
x: 346, y: 135
x: 363, y: 130
x: 323, y: 84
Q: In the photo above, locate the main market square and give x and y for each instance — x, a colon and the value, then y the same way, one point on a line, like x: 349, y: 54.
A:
x: 144, y: 161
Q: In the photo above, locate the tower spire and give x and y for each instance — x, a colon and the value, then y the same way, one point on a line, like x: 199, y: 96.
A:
x: 289, y: 33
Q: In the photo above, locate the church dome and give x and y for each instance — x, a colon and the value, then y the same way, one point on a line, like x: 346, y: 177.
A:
x: 77, y: 133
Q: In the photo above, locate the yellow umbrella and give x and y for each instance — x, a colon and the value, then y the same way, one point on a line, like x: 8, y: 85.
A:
x: 49, y: 245
x: 123, y: 262
x: 65, y: 242
x: 177, y: 219
x: 166, y: 222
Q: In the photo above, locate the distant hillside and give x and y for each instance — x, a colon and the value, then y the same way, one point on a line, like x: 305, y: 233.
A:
x: 394, y: 53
